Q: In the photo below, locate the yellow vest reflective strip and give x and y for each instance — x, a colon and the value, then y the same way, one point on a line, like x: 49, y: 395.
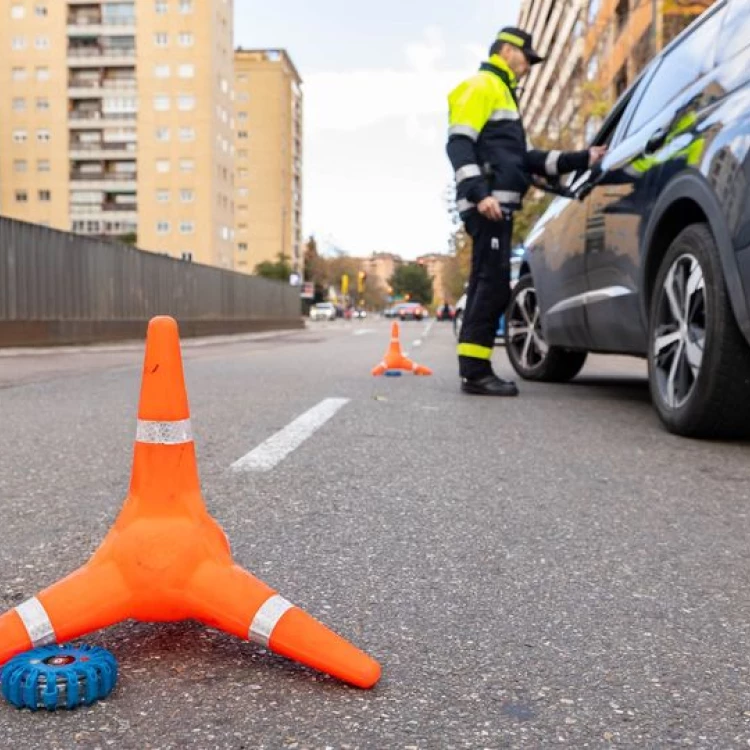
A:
x: 466, y: 130
x: 474, y: 351
x: 505, y: 114
x: 511, y: 38
x: 164, y: 433
x: 552, y: 163
x: 467, y: 172
x: 267, y: 618
x: 36, y: 621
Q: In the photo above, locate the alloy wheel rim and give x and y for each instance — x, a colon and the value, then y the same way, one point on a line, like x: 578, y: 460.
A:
x: 525, y: 338
x: 679, y: 337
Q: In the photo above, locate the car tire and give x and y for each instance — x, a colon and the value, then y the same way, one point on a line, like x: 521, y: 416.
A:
x: 458, y: 321
x: 698, y: 359
x: 528, y: 352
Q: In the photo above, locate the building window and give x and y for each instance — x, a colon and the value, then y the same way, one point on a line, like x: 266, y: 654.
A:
x: 41, y: 42
x: 243, y: 97
x: 21, y: 196
x: 45, y: 196
x: 242, y: 247
x: 186, y: 6
x: 186, y: 71
x: 42, y: 74
x: 187, y: 196
x: 185, y: 39
x: 187, y: 134
x: 17, y: 11
x: 43, y: 165
x: 162, y: 227
x: 162, y: 135
x: 243, y: 192
x: 185, y: 103
x: 162, y: 166
x: 20, y: 165
x: 160, y: 7
x: 242, y: 134
x: 187, y: 165
x: 40, y: 10
x: 242, y: 116
x: 43, y: 135
x: 187, y: 227
x: 42, y: 104
x: 161, y: 103
x: 18, y: 42
x: 19, y: 104
x: 161, y: 39
x: 162, y: 196
x: 19, y: 136
x: 18, y: 74
x: 161, y: 71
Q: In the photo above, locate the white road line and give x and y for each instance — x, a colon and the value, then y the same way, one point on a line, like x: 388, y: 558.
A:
x: 363, y: 331
x: 274, y: 450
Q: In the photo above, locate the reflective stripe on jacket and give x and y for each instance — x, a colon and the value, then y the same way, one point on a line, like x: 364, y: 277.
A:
x: 487, y: 141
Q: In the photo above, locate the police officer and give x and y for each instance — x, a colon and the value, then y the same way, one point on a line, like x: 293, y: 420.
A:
x: 488, y: 151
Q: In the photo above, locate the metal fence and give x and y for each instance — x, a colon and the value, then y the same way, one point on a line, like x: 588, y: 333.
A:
x: 57, y: 287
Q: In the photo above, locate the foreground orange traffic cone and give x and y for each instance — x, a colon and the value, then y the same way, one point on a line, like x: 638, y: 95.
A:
x: 166, y: 559
x: 395, y: 360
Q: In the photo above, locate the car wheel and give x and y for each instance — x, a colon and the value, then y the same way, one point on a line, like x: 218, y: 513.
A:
x: 528, y: 352
x: 698, y: 360
x: 458, y: 321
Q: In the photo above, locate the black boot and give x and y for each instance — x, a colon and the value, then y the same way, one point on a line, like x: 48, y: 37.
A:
x: 489, y: 385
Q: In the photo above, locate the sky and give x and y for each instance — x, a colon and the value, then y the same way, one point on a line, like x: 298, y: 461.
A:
x: 376, y: 76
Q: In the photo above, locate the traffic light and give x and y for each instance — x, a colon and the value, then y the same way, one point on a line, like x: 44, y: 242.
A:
x: 361, y: 279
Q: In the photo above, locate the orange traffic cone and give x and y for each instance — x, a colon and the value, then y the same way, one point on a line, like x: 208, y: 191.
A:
x: 395, y: 360
x: 166, y: 559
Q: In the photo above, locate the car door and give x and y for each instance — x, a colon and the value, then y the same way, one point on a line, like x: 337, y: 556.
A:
x: 654, y: 142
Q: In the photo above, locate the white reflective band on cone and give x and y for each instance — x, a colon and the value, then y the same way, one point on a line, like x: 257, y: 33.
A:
x: 164, y: 433
x: 36, y: 621
x: 267, y: 618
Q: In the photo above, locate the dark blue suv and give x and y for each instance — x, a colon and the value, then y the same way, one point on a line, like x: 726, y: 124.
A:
x: 651, y: 254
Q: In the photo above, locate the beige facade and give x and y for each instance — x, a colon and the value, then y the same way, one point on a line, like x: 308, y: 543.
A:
x: 380, y: 266
x: 268, y: 170
x: 552, y: 93
x: 435, y: 266
x: 135, y: 137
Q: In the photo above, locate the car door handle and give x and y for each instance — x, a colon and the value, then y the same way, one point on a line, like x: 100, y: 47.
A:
x: 656, y: 141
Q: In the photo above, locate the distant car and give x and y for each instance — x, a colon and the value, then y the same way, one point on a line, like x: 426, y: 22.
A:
x: 445, y: 312
x: 410, y: 311
x: 359, y: 313
x: 323, y: 311
x: 516, y: 261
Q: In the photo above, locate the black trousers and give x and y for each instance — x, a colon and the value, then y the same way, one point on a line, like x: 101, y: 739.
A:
x: 488, y: 294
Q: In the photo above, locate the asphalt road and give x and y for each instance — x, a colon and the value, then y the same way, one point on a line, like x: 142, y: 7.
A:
x: 553, y: 570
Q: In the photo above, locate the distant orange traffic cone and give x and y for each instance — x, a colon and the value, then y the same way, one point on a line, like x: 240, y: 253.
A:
x: 395, y: 360
x: 166, y: 559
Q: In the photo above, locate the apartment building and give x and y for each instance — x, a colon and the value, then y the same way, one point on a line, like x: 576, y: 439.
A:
x: 268, y: 172
x: 435, y: 264
x: 552, y: 93
x: 119, y: 123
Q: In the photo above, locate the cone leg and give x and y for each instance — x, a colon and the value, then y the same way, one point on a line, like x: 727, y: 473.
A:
x: 229, y: 598
x: 90, y: 598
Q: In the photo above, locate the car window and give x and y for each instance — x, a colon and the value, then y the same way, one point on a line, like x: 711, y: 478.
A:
x: 680, y: 67
x: 735, y: 34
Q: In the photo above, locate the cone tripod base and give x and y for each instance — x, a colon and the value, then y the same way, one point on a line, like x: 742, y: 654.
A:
x: 165, y: 559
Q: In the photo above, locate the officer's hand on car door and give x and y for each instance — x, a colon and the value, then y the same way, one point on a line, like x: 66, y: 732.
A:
x: 490, y: 209
x: 596, y: 154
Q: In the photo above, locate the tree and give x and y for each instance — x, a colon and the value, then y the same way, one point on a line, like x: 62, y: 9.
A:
x: 280, y: 270
x: 412, y: 279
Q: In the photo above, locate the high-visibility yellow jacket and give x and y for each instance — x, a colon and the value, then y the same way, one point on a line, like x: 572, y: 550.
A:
x: 487, y: 141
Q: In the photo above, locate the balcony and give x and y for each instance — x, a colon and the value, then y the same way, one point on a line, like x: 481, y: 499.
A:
x: 96, y: 89
x: 104, y: 211
x: 91, y: 24
x: 88, y: 56
x: 96, y: 119
x: 105, y: 181
x: 99, y: 150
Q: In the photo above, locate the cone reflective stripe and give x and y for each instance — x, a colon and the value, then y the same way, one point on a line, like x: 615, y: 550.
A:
x: 36, y: 621
x: 267, y: 618
x: 395, y: 359
x: 164, y: 433
x: 166, y: 559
